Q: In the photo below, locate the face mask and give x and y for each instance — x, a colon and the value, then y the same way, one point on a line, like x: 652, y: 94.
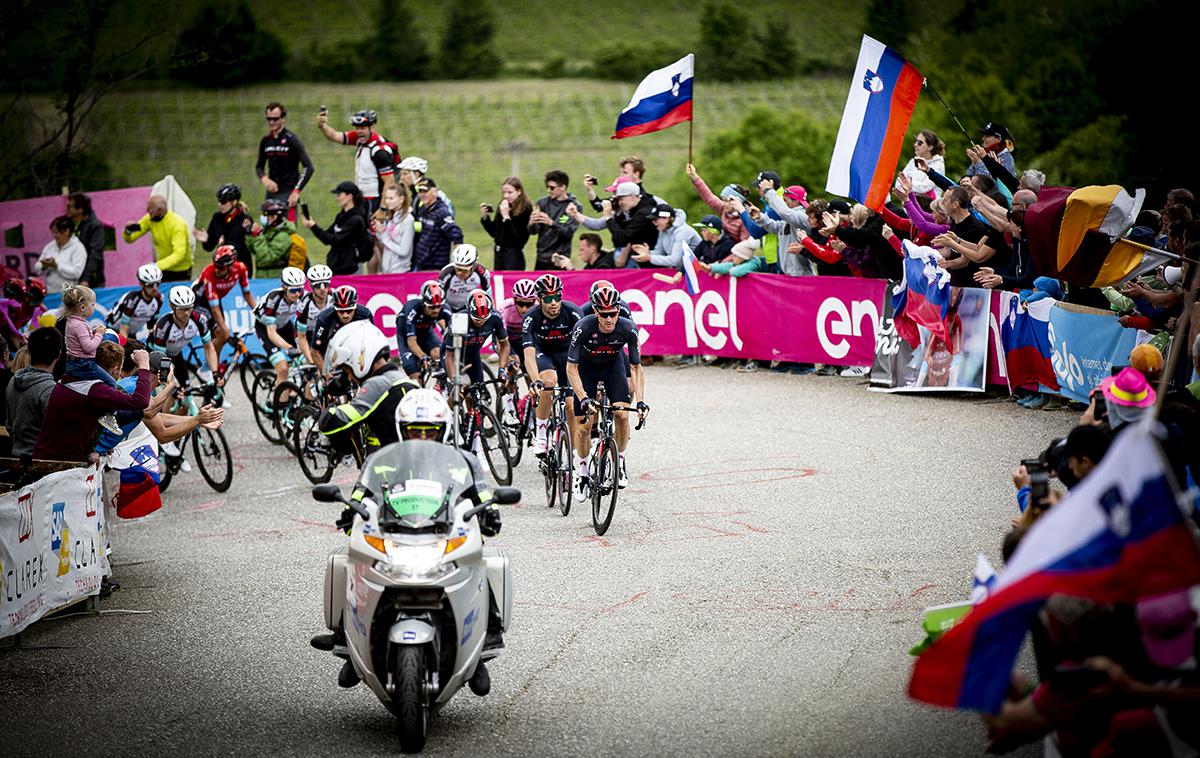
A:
x: 262, y: 220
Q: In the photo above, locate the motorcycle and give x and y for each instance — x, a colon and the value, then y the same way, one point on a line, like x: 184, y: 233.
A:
x: 416, y: 589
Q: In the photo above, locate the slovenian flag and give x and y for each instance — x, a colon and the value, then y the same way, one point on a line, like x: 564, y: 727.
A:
x: 664, y: 98
x: 923, y: 297
x: 883, y: 94
x: 1118, y: 537
x: 691, y: 276
x: 1025, y: 335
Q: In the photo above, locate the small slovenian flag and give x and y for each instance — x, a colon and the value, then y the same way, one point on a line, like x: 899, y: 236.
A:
x: 923, y: 297
x: 664, y: 98
x: 1025, y: 335
x: 691, y: 277
x: 883, y: 94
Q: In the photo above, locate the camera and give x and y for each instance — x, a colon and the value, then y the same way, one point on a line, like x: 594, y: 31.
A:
x: 161, y: 365
x: 1039, y: 481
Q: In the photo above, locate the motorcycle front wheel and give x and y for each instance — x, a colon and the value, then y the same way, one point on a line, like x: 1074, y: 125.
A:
x: 409, y: 701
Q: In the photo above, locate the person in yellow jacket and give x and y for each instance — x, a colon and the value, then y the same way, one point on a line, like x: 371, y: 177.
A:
x: 171, y: 236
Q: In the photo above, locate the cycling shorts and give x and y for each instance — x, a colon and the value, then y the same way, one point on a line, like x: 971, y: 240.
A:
x: 612, y: 373
x: 428, y: 341
x: 274, y: 354
x: 556, y: 362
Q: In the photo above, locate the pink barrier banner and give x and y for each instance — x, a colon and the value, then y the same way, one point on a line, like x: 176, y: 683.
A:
x: 806, y: 319
x: 114, y: 208
x: 997, y: 374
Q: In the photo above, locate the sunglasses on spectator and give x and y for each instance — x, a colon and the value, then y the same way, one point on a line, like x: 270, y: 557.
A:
x: 274, y: 118
x: 524, y: 303
x: 607, y: 314
x: 551, y: 298
x: 295, y: 290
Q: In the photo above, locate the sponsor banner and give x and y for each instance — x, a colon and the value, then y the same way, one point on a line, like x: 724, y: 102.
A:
x: 933, y: 365
x: 1086, y: 344
x: 53, y: 546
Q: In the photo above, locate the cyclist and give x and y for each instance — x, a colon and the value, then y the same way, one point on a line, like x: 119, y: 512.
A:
x: 462, y: 276
x: 484, y: 323
x: 275, y: 319
x: 362, y: 354
x: 345, y: 310
x: 545, y: 339
x: 311, y: 305
x: 374, y: 157
x: 597, y: 344
x: 138, y: 308
x: 622, y: 306
x: 421, y: 342
x: 513, y: 311
x: 178, y: 327
x: 216, y: 281
x: 229, y: 226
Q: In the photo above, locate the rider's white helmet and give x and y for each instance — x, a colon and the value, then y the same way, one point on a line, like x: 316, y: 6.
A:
x: 149, y: 274
x: 357, y: 345
x: 292, y: 277
x: 318, y: 274
x: 413, y: 163
x: 182, y: 296
x: 464, y: 256
x: 422, y: 414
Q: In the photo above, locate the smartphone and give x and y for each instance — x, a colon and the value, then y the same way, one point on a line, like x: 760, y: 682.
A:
x: 324, y: 110
x: 490, y: 209
x: 589, y: 179
x: 304, y: 210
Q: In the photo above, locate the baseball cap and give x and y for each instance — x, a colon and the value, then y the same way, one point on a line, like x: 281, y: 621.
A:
x: 664, y: 210
x: 1168, y: 624
x: 426, y: 183
x: 839, y: 206
x: 1143, y: 235
x: 628, y: 189
x: 347, y: 187
x: 996, y: 130
x: 797, y: 193
x: 770, y: 176
x: 1086, y: 440
x: 618, y: 182
x: 710, y: 222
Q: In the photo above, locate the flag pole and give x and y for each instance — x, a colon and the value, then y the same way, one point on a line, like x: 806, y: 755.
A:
x: 690, y: 124
x: 949, y: 110
x: 1177, y: 346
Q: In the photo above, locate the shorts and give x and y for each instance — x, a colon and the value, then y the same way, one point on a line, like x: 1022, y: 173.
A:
x: 473, y: 360
x: 183, y: 369
x: 274, y: 354
x: 616, y: 386
x: 428, y: 341
x: 557, y: 362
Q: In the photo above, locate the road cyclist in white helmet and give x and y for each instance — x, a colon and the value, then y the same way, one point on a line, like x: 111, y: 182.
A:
x: 462, y: 276
x: 138, y: 308
x: 310, y: 306
x: 275, y: 319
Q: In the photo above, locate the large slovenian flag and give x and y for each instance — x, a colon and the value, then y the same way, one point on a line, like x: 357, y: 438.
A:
x: 664, y: 98
x: 1118, y: 537
x: 1025, y: 334
x: 923, y: 297
x: 883, y: 94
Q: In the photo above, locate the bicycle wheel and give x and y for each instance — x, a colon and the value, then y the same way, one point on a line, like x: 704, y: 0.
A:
x: 604, y: 485
x: 285, y: 411
x: 252, y: 364
x: 548, y: 463
x: 491, y: 390
x: 317, y: 459
x: 566, y: 468
x: 517, y: 437
x: 262, y: 398
x: 495, y: 446
x: 212, y: 456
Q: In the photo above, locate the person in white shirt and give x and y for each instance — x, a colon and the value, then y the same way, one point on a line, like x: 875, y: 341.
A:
x: 927, y: 146
x: 63, y: 258
x: 392, y: 226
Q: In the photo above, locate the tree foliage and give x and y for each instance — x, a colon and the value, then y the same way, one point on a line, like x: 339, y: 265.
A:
x: 224, y: 47
x: 468, y: 49
x: 396, y: 51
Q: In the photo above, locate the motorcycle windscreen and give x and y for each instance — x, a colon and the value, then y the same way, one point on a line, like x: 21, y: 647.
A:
x: 416, y: 483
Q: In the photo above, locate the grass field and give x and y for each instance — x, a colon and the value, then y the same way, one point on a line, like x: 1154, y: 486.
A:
x: 473, y: 134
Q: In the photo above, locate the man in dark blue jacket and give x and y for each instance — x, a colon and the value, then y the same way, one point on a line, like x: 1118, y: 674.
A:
x: 436, y: 231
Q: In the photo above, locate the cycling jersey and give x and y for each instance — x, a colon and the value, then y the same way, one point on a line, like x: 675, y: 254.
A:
x: 458, y: 290
x: 373, y: 160
x: 307, y: 311
x: 134, y: 310
x: 211, y: 289
x: 275, y: 310
x: 417, y: 321
x: 589, y: 345
x: 550, y: 335
x: 169, y: 337
x: 327, y: 325
x: 476, y: 337
x: 513, y: 321
x: 289, y: 165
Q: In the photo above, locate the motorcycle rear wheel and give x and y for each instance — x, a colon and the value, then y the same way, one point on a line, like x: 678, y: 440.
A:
x: 409, y: 702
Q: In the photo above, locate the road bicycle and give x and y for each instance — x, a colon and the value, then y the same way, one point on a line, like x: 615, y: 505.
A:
x: 209, y: 446
x: 604, y: 465
x: 557, y: 465
x: 476, y: 419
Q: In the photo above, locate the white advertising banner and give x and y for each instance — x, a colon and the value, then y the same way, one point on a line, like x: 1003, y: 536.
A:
x: 53, y: 546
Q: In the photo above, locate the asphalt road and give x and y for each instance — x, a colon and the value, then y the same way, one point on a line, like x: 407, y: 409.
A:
x: 762, y: 581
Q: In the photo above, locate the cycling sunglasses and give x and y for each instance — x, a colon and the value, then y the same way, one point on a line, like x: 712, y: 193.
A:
x: 551, y: 298
x: 524, y: 303
x: 320, y: 285
x: 607, y: 314
x: 295, y: 290
x: 423, y: 431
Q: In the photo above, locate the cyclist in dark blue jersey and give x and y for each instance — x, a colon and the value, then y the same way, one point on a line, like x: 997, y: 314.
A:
x: 545, y: 340
x: 418, y: 341
x: 484, y: 323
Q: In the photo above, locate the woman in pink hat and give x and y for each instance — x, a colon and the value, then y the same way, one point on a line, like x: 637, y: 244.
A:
x: 1127, y: 396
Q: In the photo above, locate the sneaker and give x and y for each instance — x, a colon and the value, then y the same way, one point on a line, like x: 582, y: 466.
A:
x: 509, y: 417
x: 709, y: 359
x: 348, y: 677
x: 108, y: 587
x: 539, y: 446
x: 1037, y: 403
x: 749, y: 367
x: 855, y: 371
x: 622, y: 477
x: 109, y: 422
x: 827, y: 370
x: 580, y: 488
x: 205, y: 374
x: 184, y: 466
x: 171, y: 449
x: 1056, y: 404
x: 803, y: 370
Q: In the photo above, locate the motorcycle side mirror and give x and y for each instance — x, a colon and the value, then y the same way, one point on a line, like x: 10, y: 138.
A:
x: 328, y: 493
x: 506, y: 496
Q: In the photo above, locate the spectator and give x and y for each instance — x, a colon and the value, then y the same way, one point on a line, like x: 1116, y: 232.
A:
x: 786, y: 216
x: 510, y: 228
x: 271, y: 245
x: 229, y: 225
x: 552, y: 222
x: 998, y: 142
x: 1032, y: 180
x: 169, y: 232
x: 1019, y: 273
x: 868, y: 251
x: 82, y: 338
x: 90, y: 232
x: 768, y: 243
x: 715, y: 244
x: 412, y: 171
x: 743, y: 262
x: 283, y: 165
x: 392, y: 226
x: 963, y: 227
x: 29, y: 391
x: 632, y: 168
x: 673, y: 236
x: 374, y: 157
x: 436, y: 230
x: 64, y: 258
x: 348, y: 239
x: 929, y: 147
x: 76, y: 405
x: 591, y: 252
x: 731, y: 219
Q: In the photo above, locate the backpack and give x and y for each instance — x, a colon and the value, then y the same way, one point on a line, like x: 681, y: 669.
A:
x: 297, y: 254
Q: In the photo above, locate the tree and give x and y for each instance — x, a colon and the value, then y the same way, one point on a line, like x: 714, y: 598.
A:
x: 889, y: 22
x: 468, y: 46
x: 726, y: 52
x: 397, y: 52
x: 226, y: 48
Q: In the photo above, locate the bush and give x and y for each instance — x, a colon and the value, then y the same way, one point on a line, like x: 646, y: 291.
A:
x: 468, y: 45
x: 630, y: 61
x: 1095, y: 154
x: 223, y: 47
x: 396, y: 51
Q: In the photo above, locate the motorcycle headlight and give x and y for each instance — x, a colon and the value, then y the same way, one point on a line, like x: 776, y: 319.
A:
x: 405, y: 571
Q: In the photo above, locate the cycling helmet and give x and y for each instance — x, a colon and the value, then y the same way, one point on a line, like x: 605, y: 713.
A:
x: 524, y: 290
x: 422, y: 415
x: 225, y: 255
x: 548, y: 284
x: 319, y: 274
x: 479, y: 304
x: 149, y: 274
x: 432, y: 294
x: 182, y: 296
x: 14, y: 289
x: 292, y: 277
x: 605, y: 299
x: 364, y: 118
x: 229, y: 192
x: 274, y: 206
x: 36, y: 288
x: 413, y: 163
x: 598, y: 284
x: 464, y: 256
x: 358, y: 345
x: 345, y: 298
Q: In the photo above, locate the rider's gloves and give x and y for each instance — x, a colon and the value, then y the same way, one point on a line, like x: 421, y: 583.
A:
x: 588, y: 406
x: 345, y: 521
x: 643, y: 408
x: 489, y: 522
x: 538, y: 385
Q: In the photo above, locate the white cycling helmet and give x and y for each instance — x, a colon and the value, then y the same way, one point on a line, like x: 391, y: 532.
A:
x: 318, y: 274
x: 182, y: 296
x: 292, y: 277
x: 422, y: 414
x: 149, y: 274
x: 464, y: 256
x: 413, y: 163
x: 357, y: 345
